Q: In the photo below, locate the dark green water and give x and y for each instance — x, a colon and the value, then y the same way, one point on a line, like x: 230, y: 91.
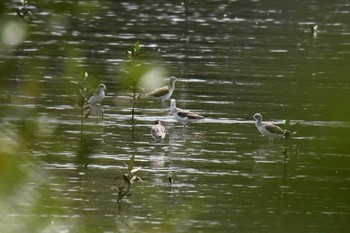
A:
x: 226, y: 177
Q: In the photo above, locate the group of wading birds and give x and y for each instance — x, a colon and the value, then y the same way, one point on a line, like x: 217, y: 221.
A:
x: 182, y: 116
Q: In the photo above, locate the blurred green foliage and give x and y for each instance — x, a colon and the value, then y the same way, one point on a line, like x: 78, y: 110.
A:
x: 26, y: 200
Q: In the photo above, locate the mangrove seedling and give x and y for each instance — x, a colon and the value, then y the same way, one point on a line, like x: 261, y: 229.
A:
x: 288, y: 131
x: 132, y: 72
x: 78, y: 99
x: 128, y: 179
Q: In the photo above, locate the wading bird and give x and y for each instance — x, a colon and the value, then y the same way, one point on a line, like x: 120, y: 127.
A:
x: 158, y: 131
x: 93, y: 104
x: 183, y: 116
x: 98, y: 95
x: 267, y: 129
x: 162, y: 93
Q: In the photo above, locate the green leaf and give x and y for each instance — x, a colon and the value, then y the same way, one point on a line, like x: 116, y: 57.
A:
x: 85, y: 165
x: 137, y: 46
x: 75, y: 83
x: 292, y: 127
x: 134, y: 179
x: 287, y: 134
x: 126, y: 179
x: 131, y: 163
x: 77, y: 107
x: 124, y: 71
x: 135, y: 170
x: 287, y: 123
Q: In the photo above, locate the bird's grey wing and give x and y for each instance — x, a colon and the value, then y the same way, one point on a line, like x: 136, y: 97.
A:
x: 158, y: 92
x: 189, y: 115
x: 195, y: 116
x: 274, y: 129
x: 182, y: 113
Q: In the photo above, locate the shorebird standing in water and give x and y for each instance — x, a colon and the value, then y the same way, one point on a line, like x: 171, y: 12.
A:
x: 158, y: 131
x: 98, y: 95
x: 183, y: 116
x: 94, y: 102
x: 267, y: 129
x: 162, y: 93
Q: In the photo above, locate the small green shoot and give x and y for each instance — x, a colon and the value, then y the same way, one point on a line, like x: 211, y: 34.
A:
x: 129, y: 178
x: 288, y: 131
x: 78, y: 100
x: 133, y: 69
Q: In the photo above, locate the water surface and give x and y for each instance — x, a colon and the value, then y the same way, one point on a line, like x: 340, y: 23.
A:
x: 232, y: 59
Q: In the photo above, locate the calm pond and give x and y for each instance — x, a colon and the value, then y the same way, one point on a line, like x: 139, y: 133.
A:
x: 232, y: 59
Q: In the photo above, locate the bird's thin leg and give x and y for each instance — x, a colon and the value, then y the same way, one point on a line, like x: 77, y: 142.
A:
x: 87, y: 114
x: 163, y: 103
